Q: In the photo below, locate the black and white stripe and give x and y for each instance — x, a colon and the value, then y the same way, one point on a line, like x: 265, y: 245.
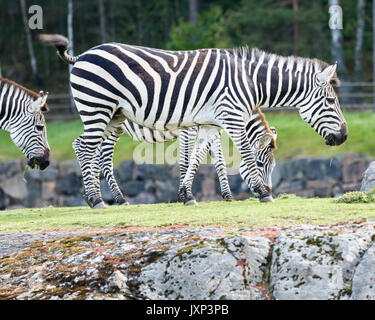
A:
x: 21, y: 115
x: 169, y: 90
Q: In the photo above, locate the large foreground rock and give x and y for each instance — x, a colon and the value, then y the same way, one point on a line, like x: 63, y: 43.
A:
x: 305, y: 262
x: 316, y: 265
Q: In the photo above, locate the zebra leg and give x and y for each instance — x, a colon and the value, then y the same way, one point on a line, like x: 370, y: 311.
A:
x: 237, y: 133
x: 108, y: 147
x: 216, y: 153
x: 187, y: 140
x: 85, y: 153
x: 95, y: 169
x: 202, y: 144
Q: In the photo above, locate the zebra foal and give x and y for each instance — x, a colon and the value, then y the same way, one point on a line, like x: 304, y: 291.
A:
x: 21, y: 114
x: 169, y: 90
x: 262, y: 140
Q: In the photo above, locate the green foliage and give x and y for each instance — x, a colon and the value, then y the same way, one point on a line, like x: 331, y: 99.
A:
x: 267, y: 24
x: 357, y: 197
x: 211, y: 31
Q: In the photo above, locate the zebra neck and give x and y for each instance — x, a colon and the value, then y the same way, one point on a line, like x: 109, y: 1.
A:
x: 280, y: 82
x: 5, y: 123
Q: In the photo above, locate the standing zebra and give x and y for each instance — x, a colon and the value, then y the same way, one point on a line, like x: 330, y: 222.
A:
x: 21, y: 115
x: 169, y: 90
x: 262, y: 140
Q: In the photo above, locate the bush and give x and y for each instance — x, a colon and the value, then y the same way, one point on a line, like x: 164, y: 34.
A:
x: 357, y: 197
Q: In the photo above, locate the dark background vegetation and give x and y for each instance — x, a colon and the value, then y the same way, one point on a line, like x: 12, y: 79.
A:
x: 286, y: 27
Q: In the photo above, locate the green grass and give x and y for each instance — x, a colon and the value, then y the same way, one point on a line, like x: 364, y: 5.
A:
x: 295, y: 139
x: 284, y: 211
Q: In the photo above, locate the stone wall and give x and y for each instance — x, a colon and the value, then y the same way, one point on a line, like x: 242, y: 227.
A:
x: 61, y: 183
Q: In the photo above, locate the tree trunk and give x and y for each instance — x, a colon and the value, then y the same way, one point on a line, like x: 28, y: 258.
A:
x: 103, y: 32
x: 295, y: 25
x: 71, y: 44
x: 33, y: 63
x: 338, y: 55
x: 193, y: 15
x: 359, y: 40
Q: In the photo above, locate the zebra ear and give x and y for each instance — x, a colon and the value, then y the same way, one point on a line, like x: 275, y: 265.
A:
x: 265, y: 140
x: 327, y: 74
x: 40, y: 103
x: 274, y: 132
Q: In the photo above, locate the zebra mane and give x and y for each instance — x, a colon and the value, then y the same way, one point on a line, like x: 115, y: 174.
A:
x: 316, y: 65
x: 30, y: 93
x: 265, y: 123
x: 241, y: 52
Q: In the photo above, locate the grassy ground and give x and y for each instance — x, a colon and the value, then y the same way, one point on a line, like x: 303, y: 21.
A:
x: 295, y: 139
x: 284, y: 211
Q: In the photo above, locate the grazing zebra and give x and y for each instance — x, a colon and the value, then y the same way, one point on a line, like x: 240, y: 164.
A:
x: 262, y: 140
x: 21, y: 115
x: 169, y: 90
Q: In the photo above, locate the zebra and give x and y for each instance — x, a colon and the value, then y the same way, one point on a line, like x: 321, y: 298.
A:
x: 169, y: 90
x: 21, y: 114
x: 262, y: 141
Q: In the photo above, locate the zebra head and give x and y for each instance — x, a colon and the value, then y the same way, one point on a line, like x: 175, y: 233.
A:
x: 321, y: 108
x: 265, y: 160
x: 263, y: 145
x: 29, y: 132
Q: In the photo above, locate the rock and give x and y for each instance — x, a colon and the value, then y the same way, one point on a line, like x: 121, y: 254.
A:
x: 47, y: 174
x: 368, y: 181
x: 48, y: 190
x: 76, y: 201
x: 3, y: 202
x: 320, y: 168
x: 166, y: 191
x: 125, y: 171
x: 69, y: 185
x: 150, y: 171
x: 214, y: 268
x: 15, y: 187
x: 106, y: 191
x: 363, y: 284
x: 353, y: 166
x: 117, y: 282
x: 143, y: 198
x: 315, y: 265
x: 322, y: 188
x: 277, y: 174
x: 290, y: 187
x: 133, y: 188
x: 351, y: 186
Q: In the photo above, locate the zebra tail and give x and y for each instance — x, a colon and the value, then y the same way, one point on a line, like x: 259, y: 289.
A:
x: 61, y: 43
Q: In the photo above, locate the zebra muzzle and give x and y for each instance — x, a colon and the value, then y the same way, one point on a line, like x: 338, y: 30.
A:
x: 335, y: 139
x: 39, y: 162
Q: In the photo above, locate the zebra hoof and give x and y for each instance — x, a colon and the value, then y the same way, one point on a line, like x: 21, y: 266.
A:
x: 100, y: 205
x: 267, y: 199
x: 123, y: 203
x: 191, y: 202
x: 227, y: 197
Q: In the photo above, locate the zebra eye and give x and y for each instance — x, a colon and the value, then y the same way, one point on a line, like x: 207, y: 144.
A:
x: 39, y: 127
x: 330, y: 100
x: 259, y: 164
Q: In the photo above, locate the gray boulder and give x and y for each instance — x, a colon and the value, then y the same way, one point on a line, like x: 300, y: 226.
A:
x: 316, y: 265
x: 213, y: 268
x: 363, y: 285
x: 368, y: 181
